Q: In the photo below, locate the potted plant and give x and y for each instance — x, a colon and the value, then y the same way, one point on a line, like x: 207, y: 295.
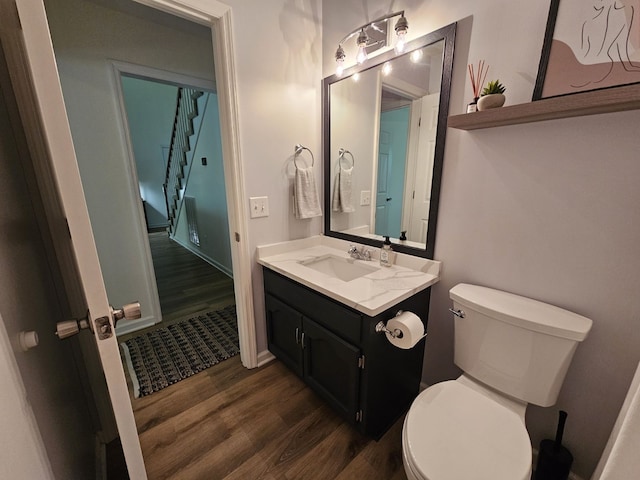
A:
x: 492, y: 96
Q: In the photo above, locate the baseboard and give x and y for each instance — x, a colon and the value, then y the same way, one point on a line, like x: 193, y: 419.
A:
x: 130, y: 326
x: 203, y: 256
x: 265, y: 357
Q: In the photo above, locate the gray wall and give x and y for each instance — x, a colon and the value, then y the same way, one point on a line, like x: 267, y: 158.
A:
x: 151, y: 108
x: 546, y: 210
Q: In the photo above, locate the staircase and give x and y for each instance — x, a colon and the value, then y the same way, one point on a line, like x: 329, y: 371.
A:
x: 179, y: 151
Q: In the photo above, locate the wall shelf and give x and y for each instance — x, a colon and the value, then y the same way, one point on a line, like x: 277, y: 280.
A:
x: 588, y: 103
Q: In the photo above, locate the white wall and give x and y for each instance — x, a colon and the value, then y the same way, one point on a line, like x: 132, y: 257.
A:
x: 546, y: 210
x: 151, y: 109
x: 277, y: 45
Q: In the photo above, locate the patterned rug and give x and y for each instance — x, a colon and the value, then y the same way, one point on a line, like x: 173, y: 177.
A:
x: 165, y: 356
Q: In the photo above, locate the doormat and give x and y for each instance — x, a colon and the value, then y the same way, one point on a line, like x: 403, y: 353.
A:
x: 165, y: 356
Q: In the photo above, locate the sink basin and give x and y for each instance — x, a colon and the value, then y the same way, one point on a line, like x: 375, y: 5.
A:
x: 346, y: 269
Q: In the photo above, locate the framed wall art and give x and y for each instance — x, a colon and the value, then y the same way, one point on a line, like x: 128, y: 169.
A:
x: 589, y: 45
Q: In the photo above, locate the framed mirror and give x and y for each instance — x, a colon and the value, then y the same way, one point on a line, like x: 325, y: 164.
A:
x: 384, y: 127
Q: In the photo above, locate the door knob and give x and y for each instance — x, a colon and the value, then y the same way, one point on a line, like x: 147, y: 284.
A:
x: 69, y: 328
x: 130, y: 311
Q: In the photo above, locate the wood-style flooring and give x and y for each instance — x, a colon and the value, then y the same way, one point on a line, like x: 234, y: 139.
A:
x: 232, y: 423
x: 229, y: 422
x: 186, y: 283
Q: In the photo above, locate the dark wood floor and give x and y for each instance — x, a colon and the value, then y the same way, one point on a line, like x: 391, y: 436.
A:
x: 229, y: 422
x: 232, y: 423
x: 186, y: 283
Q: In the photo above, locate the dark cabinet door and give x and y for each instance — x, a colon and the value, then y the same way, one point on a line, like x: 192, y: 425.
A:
x: 284, y: 333
x: 331, y: 368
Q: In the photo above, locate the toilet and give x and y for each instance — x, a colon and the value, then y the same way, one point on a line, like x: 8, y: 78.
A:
x: 513, y: 351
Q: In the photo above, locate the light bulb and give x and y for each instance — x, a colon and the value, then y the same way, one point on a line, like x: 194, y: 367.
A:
x: 363, y: 38
x: 362, y: 54
x: 340, y: 60
x: 401, y: 42
x: 386, y: 68
x: 401, y: 30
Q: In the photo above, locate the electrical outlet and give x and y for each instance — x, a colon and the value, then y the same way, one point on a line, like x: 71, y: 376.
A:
x: 365, y: 198
x: 259, y: 206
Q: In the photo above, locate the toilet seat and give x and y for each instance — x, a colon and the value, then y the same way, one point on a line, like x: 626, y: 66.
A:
x: 454, y: 432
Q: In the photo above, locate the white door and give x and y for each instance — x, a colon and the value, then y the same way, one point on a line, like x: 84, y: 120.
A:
x: 422, y: 177
x: 382, y: 190
x: 32, y: 56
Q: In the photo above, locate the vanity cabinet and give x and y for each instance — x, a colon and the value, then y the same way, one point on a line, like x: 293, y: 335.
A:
x: 338, y: 354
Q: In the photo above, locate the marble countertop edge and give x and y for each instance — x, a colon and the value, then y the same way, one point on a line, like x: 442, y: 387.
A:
x: 370, y: 294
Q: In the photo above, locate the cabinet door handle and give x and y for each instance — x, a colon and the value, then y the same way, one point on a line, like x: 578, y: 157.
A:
x: 302, y: 341
x: 297, y: 335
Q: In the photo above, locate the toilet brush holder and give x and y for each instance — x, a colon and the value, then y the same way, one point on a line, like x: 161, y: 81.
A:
x: 554, y: 460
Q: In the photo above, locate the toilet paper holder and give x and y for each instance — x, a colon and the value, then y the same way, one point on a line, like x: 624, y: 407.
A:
x: 381, y: 327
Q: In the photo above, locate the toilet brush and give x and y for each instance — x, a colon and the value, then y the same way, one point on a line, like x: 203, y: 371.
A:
x: 554, y: 460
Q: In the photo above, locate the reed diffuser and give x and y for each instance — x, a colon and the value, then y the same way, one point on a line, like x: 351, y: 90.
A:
x: 477, y: 80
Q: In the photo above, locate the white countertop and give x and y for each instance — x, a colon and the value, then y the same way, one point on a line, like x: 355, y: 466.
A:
x: 370, y: 294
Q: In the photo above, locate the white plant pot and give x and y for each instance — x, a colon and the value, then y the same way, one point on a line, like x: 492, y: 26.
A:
x: 493, y: 100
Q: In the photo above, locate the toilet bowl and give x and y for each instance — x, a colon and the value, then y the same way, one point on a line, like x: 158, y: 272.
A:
x: 513, y: 351
x: 454, y: 432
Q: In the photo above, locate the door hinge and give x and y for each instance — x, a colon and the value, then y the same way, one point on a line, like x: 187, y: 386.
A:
x: 361, y: 362
x: 359, y: 416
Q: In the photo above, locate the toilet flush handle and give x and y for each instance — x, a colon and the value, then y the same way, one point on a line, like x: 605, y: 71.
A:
x: 457, y: 313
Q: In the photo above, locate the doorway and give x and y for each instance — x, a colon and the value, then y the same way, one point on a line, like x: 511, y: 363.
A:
x: 189, y: 244
x: 131, y: 34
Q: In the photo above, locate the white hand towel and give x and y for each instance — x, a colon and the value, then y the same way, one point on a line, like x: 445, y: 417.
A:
x: 306, y: 203
x: 342, y: 191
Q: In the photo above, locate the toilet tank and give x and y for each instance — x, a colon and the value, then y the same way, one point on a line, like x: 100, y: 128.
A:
x: 516, y: 345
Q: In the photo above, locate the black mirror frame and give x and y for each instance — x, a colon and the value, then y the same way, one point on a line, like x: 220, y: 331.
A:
x: 447, y: 34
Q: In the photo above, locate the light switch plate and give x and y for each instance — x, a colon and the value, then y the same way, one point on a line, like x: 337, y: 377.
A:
x: 259, y: 206
x: 365, y: 198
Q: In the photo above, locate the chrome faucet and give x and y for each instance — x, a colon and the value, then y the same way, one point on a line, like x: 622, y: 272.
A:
x: 362, y: 254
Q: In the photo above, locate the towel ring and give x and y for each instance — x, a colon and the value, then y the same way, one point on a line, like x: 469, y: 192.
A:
x: 342, y: 152
x: 298, y: 150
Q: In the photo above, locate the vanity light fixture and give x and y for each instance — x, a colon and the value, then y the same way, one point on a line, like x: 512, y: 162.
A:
x: 363, y: 41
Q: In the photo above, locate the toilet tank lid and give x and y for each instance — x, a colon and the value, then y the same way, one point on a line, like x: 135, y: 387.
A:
x: 522, y: 311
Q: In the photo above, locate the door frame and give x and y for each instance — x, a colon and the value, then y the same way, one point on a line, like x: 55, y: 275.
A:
x: 217, y: 16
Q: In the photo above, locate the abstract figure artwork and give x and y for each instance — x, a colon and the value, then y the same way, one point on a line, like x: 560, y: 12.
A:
x: 589, y: 45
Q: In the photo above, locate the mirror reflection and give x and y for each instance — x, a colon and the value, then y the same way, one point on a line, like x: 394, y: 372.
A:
x: 382, y: 129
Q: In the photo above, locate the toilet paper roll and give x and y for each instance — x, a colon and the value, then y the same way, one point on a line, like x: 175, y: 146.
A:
x: 411, y: 327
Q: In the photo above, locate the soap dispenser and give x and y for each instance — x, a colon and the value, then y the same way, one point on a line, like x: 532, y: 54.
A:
x: 386, y: 253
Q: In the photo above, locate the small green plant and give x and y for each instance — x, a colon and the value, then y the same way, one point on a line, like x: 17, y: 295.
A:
x: 492, y: 87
